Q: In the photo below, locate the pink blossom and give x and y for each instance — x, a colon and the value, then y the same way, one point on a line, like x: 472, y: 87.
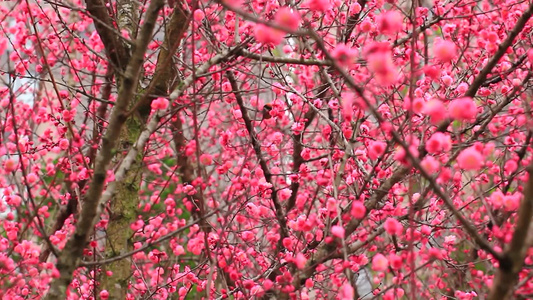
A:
x: 32, y: 178
x: 179, y: 250
x: 436, y: 111
x: 380, y: 263
x: 444, y: 51
x: 287, y: 17
x: 355, y: 8
x: 287, y: 243
x: 365, y: 26
x: 319, y: 5
x: 416, y: 105
x: 104, y: 294
x: 300, y: 261
x: 376, y: 149
x: 396, y: 293
x: 529, y: 56
x: 267, y: 35
x: 285, y: 194
x: 450, y: 239
x: 267, y: 284
x: 396, y: 261
x: 248, y: 284
x: 438, y: 143
x: 64, y: 144
x: 447, y: 80
x: 393, y: 226
x: 432, y: 72
x: 337, y: 231
x: 430, y: 164
x: 379, y: 61
x: 510, y: 166
x: 233, y: 3
x: 497, y: 199
x: 435, y: 253
x: 465, y: 296
x: 358, y: 210
x: 10, y: 165
x: 390, y: 22
x: 463, y: 109
x: 247, y: 236
x: 511, y: 202
x: 401, y: 155
x: 470, y: 159
x: 160, y: 104
x: 206, y: 159
x: 198, y: 15
x: 462, y: 87
x: 347, y: 292
x: 344, y: 55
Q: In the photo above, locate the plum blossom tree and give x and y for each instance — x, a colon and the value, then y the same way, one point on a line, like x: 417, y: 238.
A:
x: 137, y: 162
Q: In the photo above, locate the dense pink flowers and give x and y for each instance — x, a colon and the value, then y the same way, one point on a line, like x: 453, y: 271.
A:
x: 206, y: 159
x: 10, y: 165
x: 64, y: 144
x: 366, y: 123
x: 430, y: 164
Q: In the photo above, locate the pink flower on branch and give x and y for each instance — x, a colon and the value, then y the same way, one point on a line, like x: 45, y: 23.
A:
x: 390, y: 22
x: 470, y: 159
x: 379, y: 62
x: 463, y: 109
x: 344, y: 55
x: 380, y: 263
x: 288, y: 17
x: 445, y: 51
x: 268, y: 35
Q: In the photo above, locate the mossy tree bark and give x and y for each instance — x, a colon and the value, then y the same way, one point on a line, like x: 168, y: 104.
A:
x: 123, y: 208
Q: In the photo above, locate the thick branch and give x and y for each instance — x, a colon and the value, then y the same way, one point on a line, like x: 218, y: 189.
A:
x: 115, y: 49
x: 165, y: 71
x: 153, y: 125
x: 352, y: 21
x: 74, y: 249
x: 513, y: 257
